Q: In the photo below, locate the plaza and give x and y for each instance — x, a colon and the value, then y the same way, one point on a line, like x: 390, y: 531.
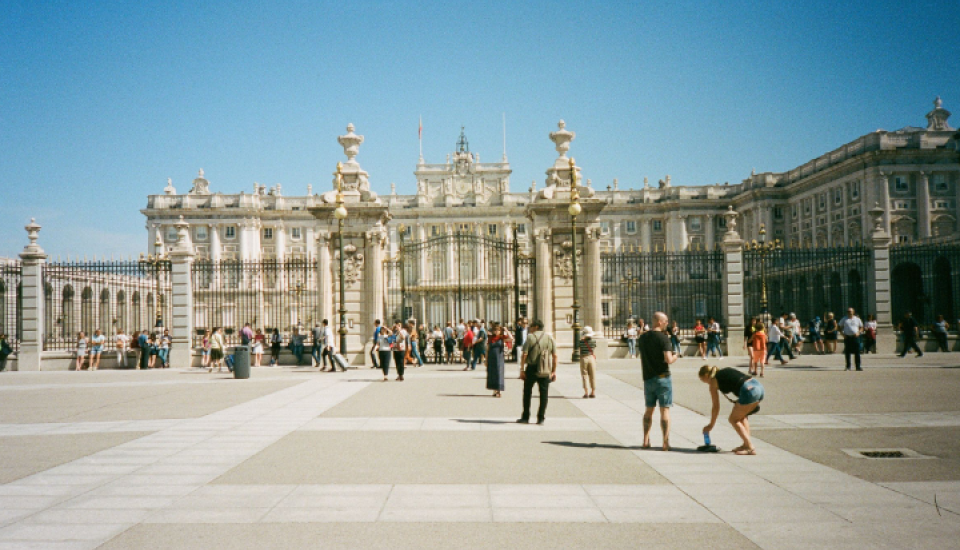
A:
x: 296, y: 458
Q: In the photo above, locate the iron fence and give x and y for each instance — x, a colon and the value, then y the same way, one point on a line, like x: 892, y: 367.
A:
x: 84, y: 296
x: 808, y: 281
x: 924, y: 281
x: 459, y: 276
x: 11, y: 296
x: 268, y: 294
x: 685, y: 285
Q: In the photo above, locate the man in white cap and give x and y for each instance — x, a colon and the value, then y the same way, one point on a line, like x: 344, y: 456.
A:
x: 588, y: 363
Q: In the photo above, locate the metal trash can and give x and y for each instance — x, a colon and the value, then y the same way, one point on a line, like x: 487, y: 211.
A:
x: 241, y: 362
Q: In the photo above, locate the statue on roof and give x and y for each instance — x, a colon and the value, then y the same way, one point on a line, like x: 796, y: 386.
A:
x: 937, y: 118
x: 200, y: 185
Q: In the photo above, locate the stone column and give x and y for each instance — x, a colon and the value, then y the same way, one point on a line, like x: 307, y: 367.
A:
x: 281, y: 239
x: 923, y: 206
x: 884, y: 183
x: 733, y: 287
x: 32, y: 259
x: 709, y: 231
x: 244, y: 241
x: 373, y: 297
x: 593, y: 289
x: 181, y: 326
x: 451, y: 258
x: 215, y: 247
x: 646, y: 242
x: 544, y: 298
x: 879, y: 283
x: 324, y: 279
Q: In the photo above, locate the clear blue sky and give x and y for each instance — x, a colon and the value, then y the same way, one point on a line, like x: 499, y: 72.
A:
x: 101, y: 102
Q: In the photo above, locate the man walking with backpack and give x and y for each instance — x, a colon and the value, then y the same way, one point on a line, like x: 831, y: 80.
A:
x: 538, y: 366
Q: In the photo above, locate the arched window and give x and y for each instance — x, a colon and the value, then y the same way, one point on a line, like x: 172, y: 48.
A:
x: 906, y: 285
x: 122, y: 311
x: 68, y: 316
x: 87, y: 320
x: 943, y: 226
x: 943, y: 288
x: 137, y: 312
x: 104, y: 320
x: 820, y: 305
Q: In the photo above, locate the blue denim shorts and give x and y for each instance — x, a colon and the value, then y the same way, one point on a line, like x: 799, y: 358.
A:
x: 658, y: 390
x: 750, y: 392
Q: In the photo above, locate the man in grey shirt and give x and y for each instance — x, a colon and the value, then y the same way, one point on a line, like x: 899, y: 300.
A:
x: 852, y: 327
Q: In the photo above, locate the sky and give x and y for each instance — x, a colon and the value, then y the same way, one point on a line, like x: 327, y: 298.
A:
x: 101, y: 102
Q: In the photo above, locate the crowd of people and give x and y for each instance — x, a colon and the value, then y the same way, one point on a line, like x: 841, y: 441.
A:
x: 150, y: 349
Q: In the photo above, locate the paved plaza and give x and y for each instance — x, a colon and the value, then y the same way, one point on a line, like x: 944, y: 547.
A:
x: 295, y: 458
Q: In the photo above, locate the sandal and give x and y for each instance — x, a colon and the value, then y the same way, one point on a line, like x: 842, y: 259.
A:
x: 745, y: 452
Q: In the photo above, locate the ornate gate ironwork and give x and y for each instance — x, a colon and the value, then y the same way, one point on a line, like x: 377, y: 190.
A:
x: 459, y: 276
x: 685, y: 285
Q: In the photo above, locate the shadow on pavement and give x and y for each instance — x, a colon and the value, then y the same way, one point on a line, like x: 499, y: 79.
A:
x: 619, y: 447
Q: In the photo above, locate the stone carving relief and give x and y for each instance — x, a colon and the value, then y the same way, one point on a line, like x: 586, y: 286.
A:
x: 562, y: 260
x: 352, y: 264
x: 200, y: 185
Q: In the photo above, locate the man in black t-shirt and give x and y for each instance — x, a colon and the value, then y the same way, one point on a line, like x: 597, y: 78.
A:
x: 656, y: 355
x: 911, y: 331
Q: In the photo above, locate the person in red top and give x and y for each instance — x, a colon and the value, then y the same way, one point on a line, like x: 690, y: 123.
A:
x: 758, y: 347
x: 468, y: 346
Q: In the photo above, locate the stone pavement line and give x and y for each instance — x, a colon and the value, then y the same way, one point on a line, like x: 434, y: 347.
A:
x: 117, y: 488
x: 457, y: 424
x: 776, y: 499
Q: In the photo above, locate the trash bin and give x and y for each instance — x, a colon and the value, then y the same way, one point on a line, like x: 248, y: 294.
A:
x: 241, y: 362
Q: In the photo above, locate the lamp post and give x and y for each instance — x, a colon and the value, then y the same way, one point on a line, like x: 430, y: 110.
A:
x: 763, y: 248
x: 401, y: 229
x: 574, y: 210
x: 628, y: 282
x: 341, y: 214
x: 154, y: 262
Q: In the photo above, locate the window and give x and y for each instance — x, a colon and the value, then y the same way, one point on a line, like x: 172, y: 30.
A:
x: 201, y: 233
x: 721, y: 221
x: 230, y: 232
x: 940, y: 182
x: 903, y: 239
x: 522, y: 229
x: 267, y: 233
x: 657, y: 225
x: 296, y: 233
x: 492, y: 229
x: 943, y: 204
x: 837, y: 196
x: 902, y: 205
x: 171, y: 233
x: 407, y: 231
x: 855, y: 190
x: 462, y: 227
x: 696, y: 224
x: 806, y: 207
x: 794, y: 211
x: 434, y: 230
x: 605, y: 306
x: 778, y: 212
x: 605, y: 228
x: 901, y: 184
x: 631, y: 227
x: 823, y: 201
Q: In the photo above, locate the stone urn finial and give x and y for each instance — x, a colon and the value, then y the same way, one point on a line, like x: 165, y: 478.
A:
x: 731, y: 216
x: 350, y: 143
x: 877, y: 213
x: 33, y: 233
x: 562, y: 138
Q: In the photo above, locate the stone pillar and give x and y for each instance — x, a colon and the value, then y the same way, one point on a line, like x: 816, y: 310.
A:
x: 244, y: 241
x: 646, y: 241
x: 592, y: 289
x: 281, y: 239
x: 879, y: 283
x: 451, y: 258
x: 32, y: 259
x: 923, y: 206
x: 885, y: 199
x: 373, y: 297
x: 324, y: 279
x: 544, y: 299
x: 733, y: 287
x: 181, y: 326
x: 215, y: 247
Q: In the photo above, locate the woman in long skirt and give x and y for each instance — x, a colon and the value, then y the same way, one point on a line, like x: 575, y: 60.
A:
x: 495, y: 354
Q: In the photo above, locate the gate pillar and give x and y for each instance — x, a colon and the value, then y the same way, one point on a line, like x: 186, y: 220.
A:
x: 733, y: 288
x: 879, y: 283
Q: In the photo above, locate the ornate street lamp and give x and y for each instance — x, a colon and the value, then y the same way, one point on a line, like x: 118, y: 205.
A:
x: 574, y: 210
x: 341, y: 214
x: 763, y: 248
x: 155, y: 262
x: 401, y: 230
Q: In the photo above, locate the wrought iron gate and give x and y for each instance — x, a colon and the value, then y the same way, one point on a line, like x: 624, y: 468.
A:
x: 459, y: 276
